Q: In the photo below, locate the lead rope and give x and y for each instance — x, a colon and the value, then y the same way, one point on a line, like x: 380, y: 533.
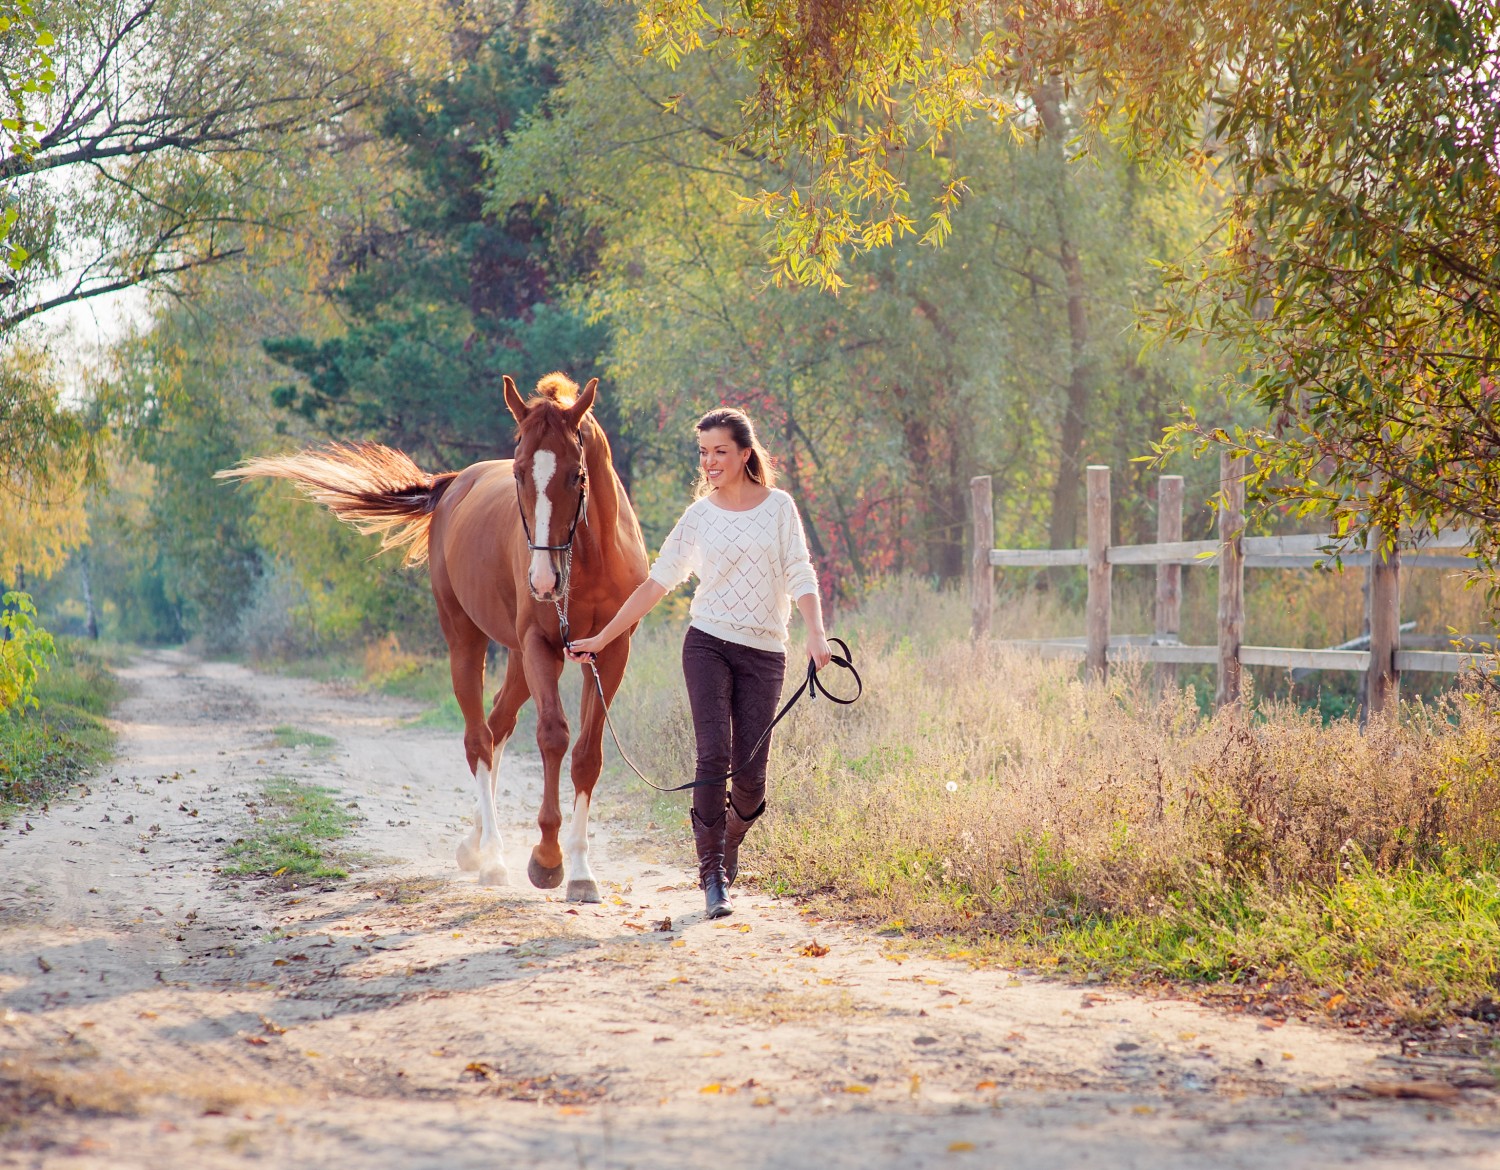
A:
x: 811, y: 687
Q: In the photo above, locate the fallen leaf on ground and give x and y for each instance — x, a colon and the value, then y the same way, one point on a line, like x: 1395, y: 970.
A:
x: 813, y: 950
x: 272, y: 1026
x: 664, y: 924
x: 856, y: 1088
x: 713, y: 1088
x: 960, y: 1147
x: 256, y: 1040
x: 983, y: 1085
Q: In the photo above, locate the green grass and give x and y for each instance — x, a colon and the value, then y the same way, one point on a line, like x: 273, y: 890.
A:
x: 1414, y: 945
x: 295, y: 828
x: 287, y: 736
x: 48, y: 748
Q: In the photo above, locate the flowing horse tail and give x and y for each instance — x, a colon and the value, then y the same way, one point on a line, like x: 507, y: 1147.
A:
x: 375, y: 489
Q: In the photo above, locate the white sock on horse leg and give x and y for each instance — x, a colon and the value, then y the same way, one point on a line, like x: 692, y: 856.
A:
x: 582, y: 886
x: 492, y: 871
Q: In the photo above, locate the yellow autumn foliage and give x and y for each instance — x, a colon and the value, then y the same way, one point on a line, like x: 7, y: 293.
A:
x: 42, y: 520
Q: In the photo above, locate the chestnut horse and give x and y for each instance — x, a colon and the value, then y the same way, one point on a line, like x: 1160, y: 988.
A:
x: 514, y: 548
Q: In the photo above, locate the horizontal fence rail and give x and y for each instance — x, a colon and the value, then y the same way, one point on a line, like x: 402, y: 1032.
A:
x: 1378, y: 655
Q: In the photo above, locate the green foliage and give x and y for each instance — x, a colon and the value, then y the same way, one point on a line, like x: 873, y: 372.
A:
x: 294, y: 826
x: 1354, y: 253
x: 26, y: 75
x: 1358, y: 263
x: 1009, y: 354
x: 25, y: 651
x: 1423, y: 941
x: 437, y: 311
x: 852, y: 88
x: 103, y: 193
x: 287, y: 736
x: 44, y: 750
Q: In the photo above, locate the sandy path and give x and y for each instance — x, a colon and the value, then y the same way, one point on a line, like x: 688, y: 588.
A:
x: 155, y: 1014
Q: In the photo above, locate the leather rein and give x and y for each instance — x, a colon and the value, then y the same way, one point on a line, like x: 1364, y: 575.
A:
x: 810, y: 687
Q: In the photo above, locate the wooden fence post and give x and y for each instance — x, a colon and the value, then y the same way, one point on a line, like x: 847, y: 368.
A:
x: 981, y: 572
x: 1097, y: 658
x: 1168, y: 577
x: 1231, y: 576
x: 1383, y: 683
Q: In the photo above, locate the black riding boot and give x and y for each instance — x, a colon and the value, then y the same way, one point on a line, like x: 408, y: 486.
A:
x: 734, y: 833
x: 709, y: 840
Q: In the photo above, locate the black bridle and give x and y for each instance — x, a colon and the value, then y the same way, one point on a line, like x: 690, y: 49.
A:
x: 580, y: 512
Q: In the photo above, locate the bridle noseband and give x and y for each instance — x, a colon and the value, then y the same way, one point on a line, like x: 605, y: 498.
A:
x: 580, y: 512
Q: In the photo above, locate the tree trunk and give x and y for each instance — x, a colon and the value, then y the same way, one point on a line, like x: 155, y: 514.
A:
x: 1063, y: 527
x: 92, y: 626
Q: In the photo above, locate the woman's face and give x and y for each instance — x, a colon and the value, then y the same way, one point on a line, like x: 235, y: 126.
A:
x: 722, y: 459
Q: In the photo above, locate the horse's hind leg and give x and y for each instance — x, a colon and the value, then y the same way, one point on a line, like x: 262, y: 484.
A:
x: 467, y: 646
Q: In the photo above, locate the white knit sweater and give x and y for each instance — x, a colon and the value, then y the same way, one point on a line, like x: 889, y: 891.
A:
x: 750, y: 566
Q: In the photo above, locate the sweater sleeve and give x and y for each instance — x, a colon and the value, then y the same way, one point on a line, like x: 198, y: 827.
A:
x: 801, y: 577
x: 678, y: 559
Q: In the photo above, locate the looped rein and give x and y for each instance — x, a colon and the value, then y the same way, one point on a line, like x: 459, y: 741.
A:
x: 810, y: 687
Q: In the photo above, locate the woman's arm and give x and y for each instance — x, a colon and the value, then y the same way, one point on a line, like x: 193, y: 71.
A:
x: 818, y: 648
x: 636, y: 606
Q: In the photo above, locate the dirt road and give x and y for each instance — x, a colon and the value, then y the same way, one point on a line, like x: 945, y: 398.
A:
x: 154, y: 1013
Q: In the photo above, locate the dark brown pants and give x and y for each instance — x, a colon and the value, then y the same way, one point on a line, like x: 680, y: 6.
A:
x: 734, y: 691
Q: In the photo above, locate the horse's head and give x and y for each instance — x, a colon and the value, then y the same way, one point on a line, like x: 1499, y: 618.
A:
x: 551, y: 480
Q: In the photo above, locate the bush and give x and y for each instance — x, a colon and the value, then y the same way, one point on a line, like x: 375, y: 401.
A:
x: 25, y: 649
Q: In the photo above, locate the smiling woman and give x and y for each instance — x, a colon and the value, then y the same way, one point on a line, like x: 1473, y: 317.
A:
x: 743, y: 539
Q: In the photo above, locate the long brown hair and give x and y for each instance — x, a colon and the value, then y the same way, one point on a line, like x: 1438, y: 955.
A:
x: 742, y: 431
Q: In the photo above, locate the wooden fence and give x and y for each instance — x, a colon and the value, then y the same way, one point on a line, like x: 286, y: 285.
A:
x: 1382, y: 662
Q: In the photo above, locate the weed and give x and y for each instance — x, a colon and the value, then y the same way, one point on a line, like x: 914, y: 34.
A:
x: 44, y: 750
x: 996, y: 799
x: 286, y: 736
x: 294, y: 826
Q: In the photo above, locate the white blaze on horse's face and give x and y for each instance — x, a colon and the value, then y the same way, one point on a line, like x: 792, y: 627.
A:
x: 542, y: 576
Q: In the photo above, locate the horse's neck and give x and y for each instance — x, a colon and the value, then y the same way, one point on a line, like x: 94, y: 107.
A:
x: 605, y: 494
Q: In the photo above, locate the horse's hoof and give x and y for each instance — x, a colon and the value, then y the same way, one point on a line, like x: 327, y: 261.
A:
x: 494, y: 875
x: 583, y: 890
x: 544, y: 877
x: 467, y: 856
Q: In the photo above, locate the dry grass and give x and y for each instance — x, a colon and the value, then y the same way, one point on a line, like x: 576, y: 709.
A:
x: 989, y: 794
x: 29, y: 1088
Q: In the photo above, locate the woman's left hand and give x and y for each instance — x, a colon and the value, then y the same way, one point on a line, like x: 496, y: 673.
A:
x: 818, y: 649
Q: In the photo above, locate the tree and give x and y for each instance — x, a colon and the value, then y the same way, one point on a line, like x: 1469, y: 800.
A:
x: 162, y: 143
x: 442, y: 296
x: 1354, y: 256
x: 26, y: 74
x: 931, y: 366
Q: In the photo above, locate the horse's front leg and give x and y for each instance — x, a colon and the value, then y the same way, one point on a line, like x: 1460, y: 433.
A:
x: 588, y: 760
x: 543, y: 666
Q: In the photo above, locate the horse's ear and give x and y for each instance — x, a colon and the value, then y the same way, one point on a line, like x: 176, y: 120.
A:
x: 583, y: 403
x: 513, y: 400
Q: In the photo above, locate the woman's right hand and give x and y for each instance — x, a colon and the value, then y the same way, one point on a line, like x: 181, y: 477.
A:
x: 582, y: 649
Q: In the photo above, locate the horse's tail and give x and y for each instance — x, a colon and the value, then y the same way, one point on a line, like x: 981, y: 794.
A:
x: 373, y: 488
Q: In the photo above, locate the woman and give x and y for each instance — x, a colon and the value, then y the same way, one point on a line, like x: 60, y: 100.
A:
x: 744, y: 540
